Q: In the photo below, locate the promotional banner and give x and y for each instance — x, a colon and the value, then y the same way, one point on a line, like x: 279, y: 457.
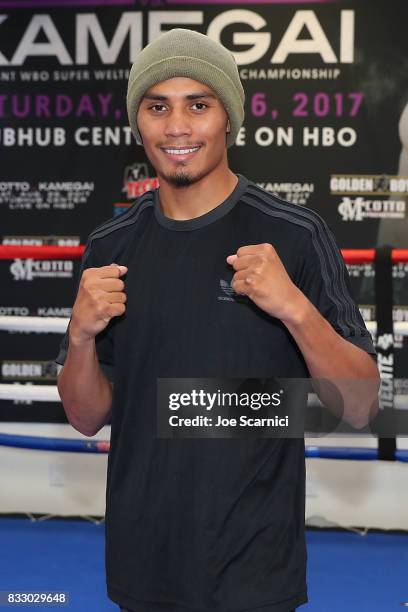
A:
x: 326, y: 127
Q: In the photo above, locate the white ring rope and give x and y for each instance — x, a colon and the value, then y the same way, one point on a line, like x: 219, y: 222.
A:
x: 58, y: 325
x: 36, y: 393
x: 49, y: 393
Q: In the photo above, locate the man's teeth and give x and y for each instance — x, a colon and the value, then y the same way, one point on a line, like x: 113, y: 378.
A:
x: 181, y: 151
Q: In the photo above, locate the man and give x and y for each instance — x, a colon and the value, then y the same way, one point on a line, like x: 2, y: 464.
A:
x: 206, y: 276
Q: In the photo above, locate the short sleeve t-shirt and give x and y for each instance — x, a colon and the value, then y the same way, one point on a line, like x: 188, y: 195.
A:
x: 197, y: 525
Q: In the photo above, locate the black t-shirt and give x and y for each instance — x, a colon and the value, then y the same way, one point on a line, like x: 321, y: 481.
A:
x: 197, y: 525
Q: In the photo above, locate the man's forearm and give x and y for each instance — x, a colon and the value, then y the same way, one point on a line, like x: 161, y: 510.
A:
x: 347, y: 377
x: 85, y: 391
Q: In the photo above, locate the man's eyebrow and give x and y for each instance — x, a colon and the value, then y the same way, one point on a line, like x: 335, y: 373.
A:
x: 193, y: 96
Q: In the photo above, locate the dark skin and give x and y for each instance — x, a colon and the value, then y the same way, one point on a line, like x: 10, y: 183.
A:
x: 85, y: 391
x: 173, y: 114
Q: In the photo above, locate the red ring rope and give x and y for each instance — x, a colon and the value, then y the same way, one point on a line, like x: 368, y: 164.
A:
x: 351, y: 256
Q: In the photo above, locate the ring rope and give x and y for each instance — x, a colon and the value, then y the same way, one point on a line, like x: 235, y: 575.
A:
x: 49, y: 393
x: 351, y: 256
x: 58, y: 325
x: 102, y: 446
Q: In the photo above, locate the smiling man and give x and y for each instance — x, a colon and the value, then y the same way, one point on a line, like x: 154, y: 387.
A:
x: 207, y: 276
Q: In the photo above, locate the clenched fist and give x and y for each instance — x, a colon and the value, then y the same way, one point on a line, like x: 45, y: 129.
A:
x: 100, y: 297
x: 261, y: 275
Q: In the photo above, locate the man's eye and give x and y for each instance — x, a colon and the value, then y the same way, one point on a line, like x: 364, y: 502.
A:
x: 156, y: 105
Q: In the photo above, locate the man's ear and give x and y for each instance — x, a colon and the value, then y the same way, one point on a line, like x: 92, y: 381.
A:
x: 228, y: 126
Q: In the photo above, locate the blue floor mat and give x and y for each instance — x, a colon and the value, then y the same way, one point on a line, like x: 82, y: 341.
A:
x: 346, y: 571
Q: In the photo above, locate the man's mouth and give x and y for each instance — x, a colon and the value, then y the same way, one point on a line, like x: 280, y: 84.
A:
x: 180, y: 152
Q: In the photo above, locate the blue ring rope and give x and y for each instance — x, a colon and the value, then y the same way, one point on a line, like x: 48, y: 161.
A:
x: 102, y: 446
x: 54, y: 444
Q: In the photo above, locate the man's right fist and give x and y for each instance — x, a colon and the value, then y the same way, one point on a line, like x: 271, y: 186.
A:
x: 100, y: 297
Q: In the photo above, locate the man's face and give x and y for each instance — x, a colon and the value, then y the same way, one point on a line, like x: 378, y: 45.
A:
x: 179, y: 114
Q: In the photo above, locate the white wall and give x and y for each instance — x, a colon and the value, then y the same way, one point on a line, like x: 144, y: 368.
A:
x: 51, y: 482
x: 357, y: 493
x: 348, y: 493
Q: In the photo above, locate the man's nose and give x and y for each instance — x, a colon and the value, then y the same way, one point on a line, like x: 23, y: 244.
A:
x: 178, y: 123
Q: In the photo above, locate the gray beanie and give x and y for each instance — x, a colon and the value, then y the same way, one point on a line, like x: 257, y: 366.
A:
x: 187, y: 53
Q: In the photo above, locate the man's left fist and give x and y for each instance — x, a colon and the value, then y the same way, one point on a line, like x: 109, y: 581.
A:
x: 261, y: 275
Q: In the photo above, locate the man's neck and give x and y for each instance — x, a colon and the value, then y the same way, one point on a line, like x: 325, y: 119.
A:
x: 183, y: 203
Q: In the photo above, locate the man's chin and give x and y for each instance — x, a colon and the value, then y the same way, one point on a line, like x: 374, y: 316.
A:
x: 181, y: 178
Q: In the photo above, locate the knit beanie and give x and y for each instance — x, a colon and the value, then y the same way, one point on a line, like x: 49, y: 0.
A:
x: 187, y: 53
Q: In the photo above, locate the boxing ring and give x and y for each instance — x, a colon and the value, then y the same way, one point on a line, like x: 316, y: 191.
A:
x: 58, y: 325
x: 85, y: 458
